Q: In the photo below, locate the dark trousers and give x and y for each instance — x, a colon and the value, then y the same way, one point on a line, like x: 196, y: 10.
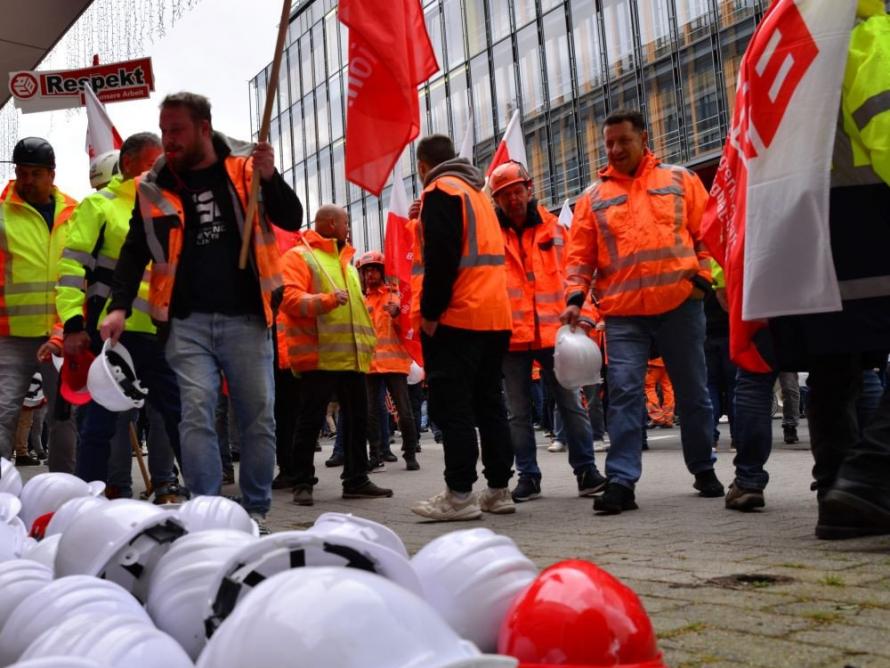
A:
x: 287, y: 399
x: 316, y: 390
x: 753, y: 427
x: 99, y: 424
x: 397, y: 384
x: 416, y: 393
x: 463, y: 370
x: 721, y: 382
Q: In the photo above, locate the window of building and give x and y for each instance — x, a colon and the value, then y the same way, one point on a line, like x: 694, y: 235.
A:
x: 460, y: 105
x: 311, y: 138
x: 331, y: 36
x: 286, y: 157
x: 586, y: 42
x: 339, y: 170
x: 701, y: 97
x: 335, y: 91
x: 625, y: 94
x: 619, y: 36
x: 694, y: 19
x: 322, y: 117
x: 735, y: 11
x: 439, y: 107
x: 344, y: 43
x: 454, y: 33
x: 293, y: 60
x: 325, y: 179
x: 422, y: 97
x: 358, y: 225
x: 254, y: 113
x: 523, y: 12
x: 550, y: 4
x: 591, y: 113
x: 733, y: 42
x: 275, y: 140
x: 663, y: 111
x: 498, y: 19
x: 282, y: 96
x: 318, y: 53
x: 530, y: 76
x: 433, y: 16
x: 537, y: 152
x: 566, y: 166
x: 474, y: 12
x: 306, y: 63
x: 483, y: 118
x: 556, y: 47
x: 372, y: 221
x: 311, y: 186
x: 655, y: 29
x: 296, y: 114
x: 504, y: 81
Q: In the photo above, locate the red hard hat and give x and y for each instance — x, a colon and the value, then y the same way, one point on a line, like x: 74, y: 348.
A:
x: 73, y: 377
x: 506, y: 175
x: 576, y: 615
x: 38, y: 526
x: 369, y: 258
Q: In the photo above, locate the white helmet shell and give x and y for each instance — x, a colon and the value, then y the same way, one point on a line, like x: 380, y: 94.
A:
x: 44, y: 551
x: 68, y: 511
x: 297, y: 549
x: 10, y: 478
x: 56, y: 661
x: 46, y: 492
x: 103, y: 168
x: 347, y: 524
x: 10, y: 507
x: 215, y: 512
x: 178, y: 589
x: 577, y: 360
x: 308, y: 606
x: 19, y: 578
x: 415, y: 373
x: 13, y: 537
x: 35, y: 396
x: 121, y: 541
x: 55, y: 602
x: 471, y: 577
x: 121, y: 640
x: 112, y: 381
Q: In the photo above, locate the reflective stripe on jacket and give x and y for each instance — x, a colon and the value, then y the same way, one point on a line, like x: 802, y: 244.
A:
x: 96, y: 232
x: 321, y: 334
x: 640, y: 236
x: 479, y: 295
x: 535, y: 281
x: 390, y: 355
x: 29, y: 259
x: 164, y: 220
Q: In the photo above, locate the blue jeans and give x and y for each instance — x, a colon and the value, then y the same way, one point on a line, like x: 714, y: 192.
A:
x: 680, y: 336
x: 595, y: 410
x: 517, y: 367
x: 753, y: 427
x: 199, y: 347
x: 160, y: 454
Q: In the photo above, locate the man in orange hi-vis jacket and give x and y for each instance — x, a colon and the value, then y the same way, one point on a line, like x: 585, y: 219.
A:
x: 636, y: 237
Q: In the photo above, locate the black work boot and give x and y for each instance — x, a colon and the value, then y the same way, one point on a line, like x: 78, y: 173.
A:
x: 614, y: 500
x: 790, y: 434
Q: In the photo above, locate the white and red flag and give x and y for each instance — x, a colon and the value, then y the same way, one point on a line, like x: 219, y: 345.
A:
x: 512, y: 146
x: 102, y: 136
x: 398, y: 250
x: 767, y: 220
x: 390, y: 54
x: 565, y: 215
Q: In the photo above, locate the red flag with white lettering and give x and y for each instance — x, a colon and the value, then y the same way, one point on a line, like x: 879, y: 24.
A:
x: 767, y: 219
x: 390, y: 54
x: 398, y: 250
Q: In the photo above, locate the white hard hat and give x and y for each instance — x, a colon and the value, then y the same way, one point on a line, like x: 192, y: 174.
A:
x: 119, y: 640
x: 347, y: 618
x: 43, y: 551
x: 103, y: 168
x: 347, y: 524
x: 57, y: 661
x: 471, y: 577
x: 46, y: 492
x: 121, y: 541
x: 577, y: 360
x: 68, y: 511
x: 10, y: 507
x: 178, y: 589
x: 10, y: 478
x: 415, y: 373
x: 34, y: 397
x: 112, y: 381
x: 215, y: 512
x: 296, y: 549
x: 19, y: 578
x: 13, y: 539
x: 55, y: 602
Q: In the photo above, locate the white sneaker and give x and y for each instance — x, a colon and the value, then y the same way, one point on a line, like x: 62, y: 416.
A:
x: 445, y: 507
x: 556, y: 446
x: 497, y: 501
x: 600, y: 446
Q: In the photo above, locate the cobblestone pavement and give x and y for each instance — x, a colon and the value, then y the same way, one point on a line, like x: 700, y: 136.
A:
x: 799, y: 602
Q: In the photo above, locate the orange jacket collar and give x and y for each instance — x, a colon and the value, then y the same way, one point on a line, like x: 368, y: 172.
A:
x: 648, y: 163
x: 315, y: 240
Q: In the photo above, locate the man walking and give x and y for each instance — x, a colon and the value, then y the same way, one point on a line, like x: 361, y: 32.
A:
x: 189, y: 221
x: 463, y: 311
x: 534, y: 245
x: 637, y: 230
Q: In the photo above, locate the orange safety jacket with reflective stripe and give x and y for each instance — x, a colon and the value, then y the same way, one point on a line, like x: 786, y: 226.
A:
x: 479, y: 296
x: 535, y: 281
x: 640, y: 235
x: 158, y: 206
x: 286, y: 240
x: 390, y: 355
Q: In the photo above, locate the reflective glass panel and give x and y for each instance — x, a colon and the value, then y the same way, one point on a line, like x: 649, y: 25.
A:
x: 735, y: 11
x: 460, y: 108
x: 655, y: 29
x: 625, y: 94
x: 567, y: 176
x: 619, y: 36
x: 454, y: 33
x: 318, y: 53
x: 586, y: 41
x: 530, y: 71
x: 275, y: 140
x: 296, y: 115
x: 321, y: 117
x: 505, y: 81
x: 694, y: 19
x: 432, y: 14
x: 286, y: 157
x: 293, y: 60
x: 324, y: 176
x: 336, y: 107
x: 439, y: 107
x: 306, y: 63
x: 311, y: 138
x: 523, y: 12
x: 556, y: 45
x: 733, y: 42
x: 482, y: 109
x: 475, y: 22
x: 591, y: 112
x: 339, y: 168
x: 701, y: 95
x: 331, y: 35
x: 663, y: 113
x: 311, y: 203
x: 498, y: 19
x: 536, y: 149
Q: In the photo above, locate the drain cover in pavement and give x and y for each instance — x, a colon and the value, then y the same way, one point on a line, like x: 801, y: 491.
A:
x: 749, y: 581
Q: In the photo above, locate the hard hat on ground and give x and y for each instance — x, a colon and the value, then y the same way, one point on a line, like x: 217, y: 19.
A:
x: 311, y: 613
x: 46, y: 492
x: 415, y: 373
x: 112, y: 381
x: 215, y: 512
x: 35, y: 397
x: 103, y: 168
x: 10, y: 478
x: 471, y: 578
x: 10, y: 507
x: 508, y: 174
x: 57, y: 661
x: 19, y: 578
x: 44, y: 551
x: 577, y: 360
x: 13, y: 539
x: 34, y: 152
x: 68, y: 511
x: 576, y: 614
x: 120, y: 541
x: 347, y: 524
x: 73, y: 377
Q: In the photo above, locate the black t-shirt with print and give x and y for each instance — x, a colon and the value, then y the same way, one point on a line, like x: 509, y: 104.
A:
x: 208, y: 279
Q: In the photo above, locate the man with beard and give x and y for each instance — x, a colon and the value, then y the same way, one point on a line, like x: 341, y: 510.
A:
x: 189, y: 220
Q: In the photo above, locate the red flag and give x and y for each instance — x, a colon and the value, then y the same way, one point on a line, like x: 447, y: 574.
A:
x: 398, y: 247
x: 390, y: 54
x: 512, y: 146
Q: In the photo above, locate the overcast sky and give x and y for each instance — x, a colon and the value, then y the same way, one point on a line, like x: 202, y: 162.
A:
x: 213, y: 50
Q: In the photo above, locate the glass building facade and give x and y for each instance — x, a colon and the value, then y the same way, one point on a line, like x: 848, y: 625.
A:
x: 565, y: 64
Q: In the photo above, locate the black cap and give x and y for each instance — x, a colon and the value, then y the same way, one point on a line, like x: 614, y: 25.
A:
x: 34, y: 152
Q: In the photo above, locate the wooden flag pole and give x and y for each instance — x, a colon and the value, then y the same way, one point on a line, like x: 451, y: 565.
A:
x: 271, y: 89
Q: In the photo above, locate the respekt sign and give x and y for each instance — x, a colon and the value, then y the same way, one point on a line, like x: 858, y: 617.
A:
x: 62, y: 89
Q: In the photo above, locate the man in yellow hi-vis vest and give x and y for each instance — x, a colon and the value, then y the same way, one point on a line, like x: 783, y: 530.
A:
x: 33, y: 225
